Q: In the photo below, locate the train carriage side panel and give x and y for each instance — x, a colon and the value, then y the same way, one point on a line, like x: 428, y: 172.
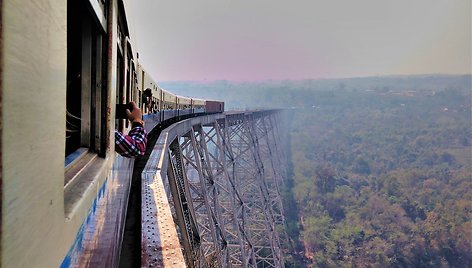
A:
x: 198, y: 105
x: 149, y: 104
x: 44, y: 213
x: 184, y: 104
x: 212, y: 106
x: 147, y: 84
x: 169, y: 102
x: 33, y: 82
x: 94, y: 205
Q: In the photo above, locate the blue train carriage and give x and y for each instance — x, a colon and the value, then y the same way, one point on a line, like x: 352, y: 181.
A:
x: 149, y: 98
x: 149, y: 91
x: 184, y: 105
x: 198, y: 106
x: 65, y: 64
x: 169, y: 105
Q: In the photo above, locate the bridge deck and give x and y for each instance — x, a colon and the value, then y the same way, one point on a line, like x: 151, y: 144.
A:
x: 160, y: 243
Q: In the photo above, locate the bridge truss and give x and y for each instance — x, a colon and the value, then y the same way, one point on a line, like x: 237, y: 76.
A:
x: 211, y: 194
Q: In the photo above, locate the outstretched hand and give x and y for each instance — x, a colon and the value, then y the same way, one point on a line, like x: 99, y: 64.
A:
x: 134, y: 115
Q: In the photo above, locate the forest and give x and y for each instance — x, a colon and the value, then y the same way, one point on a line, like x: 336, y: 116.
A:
x: 380, y: 169
x: 384, y: 179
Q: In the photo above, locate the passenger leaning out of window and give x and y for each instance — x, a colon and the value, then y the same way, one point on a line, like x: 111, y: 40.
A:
x: 134, y: 143
x: 147, y: 100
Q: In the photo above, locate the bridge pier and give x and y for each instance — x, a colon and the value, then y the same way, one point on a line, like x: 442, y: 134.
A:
x: 219, y: 176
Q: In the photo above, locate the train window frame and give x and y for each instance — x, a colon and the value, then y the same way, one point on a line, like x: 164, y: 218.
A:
x: 141, y: 92
x: 120, y: 75
x: 86, y: 76
x: 128, y: 76
x: 99, y: 8
x: 123, y: 70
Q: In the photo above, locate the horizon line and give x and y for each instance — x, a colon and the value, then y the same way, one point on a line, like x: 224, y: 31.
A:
x: 315, y: 79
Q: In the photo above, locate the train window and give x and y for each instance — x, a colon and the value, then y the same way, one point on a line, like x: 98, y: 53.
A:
x: 119, y: 90
x: 86, y: 90
x: 139, y: 98
x: 129, y: 80
x: 123, y: 68
x: 120, y: 98
x: 141, y: 104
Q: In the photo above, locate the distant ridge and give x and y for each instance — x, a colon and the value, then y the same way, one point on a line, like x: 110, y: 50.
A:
x: 270, y: 81
x: 286, y: 93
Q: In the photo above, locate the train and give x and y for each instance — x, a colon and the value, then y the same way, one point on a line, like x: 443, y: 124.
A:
x: 64, y: 65
x: 162, y: 105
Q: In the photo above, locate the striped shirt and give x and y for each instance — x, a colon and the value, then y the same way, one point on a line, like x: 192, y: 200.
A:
x: 133, y: 144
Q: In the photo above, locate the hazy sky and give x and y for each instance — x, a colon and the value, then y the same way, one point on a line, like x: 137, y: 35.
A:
x: 296, y: 39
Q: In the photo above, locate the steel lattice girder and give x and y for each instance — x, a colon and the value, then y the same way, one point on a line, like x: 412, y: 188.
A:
x: 223, y: 187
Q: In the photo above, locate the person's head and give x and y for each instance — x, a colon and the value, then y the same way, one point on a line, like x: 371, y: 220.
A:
x: 148, y: 92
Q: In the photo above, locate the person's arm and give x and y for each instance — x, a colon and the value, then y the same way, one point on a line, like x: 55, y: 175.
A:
x: 134, y: 143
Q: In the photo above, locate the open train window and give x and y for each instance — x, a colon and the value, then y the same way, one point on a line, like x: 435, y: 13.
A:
x: 139, y: 98
x: 86, y: 76
x: 141, y: 104
x: 129, y: 78
x: 120, y: 94
x: 123, y: 71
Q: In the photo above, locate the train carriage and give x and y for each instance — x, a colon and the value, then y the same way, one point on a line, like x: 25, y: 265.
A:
x: 64, y: 66
x: 169, y: 102
x: 198, y: 105
x: 149, y: 91
x: 212, y: 106
x: 184, y: 105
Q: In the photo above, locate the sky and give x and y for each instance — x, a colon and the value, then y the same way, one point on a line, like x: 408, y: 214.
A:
x: 255, y: 40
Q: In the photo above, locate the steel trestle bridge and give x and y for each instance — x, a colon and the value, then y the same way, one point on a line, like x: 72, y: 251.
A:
x: 211, y: 193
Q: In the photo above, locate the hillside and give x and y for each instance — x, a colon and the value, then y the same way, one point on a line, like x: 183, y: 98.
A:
x: 381, y: 167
